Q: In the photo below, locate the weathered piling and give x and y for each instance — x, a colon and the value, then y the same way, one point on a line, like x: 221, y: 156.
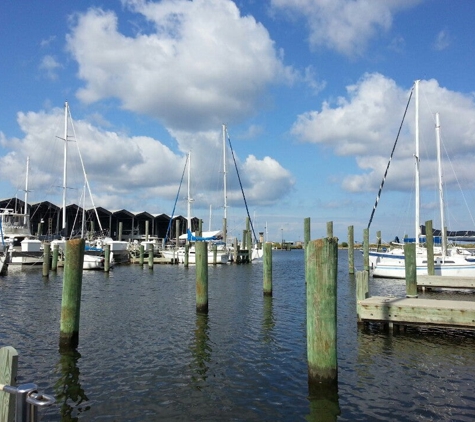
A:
x: 71, y: 298
x: 362, y: 290
x: 8, y: 374
x: 147, y: 224
x: 351, y: 249
x: 411, y: 269
x: 46, y: 259
x: 107, y: 257
x: 267, y: 268
x: 150, y: 257
x: 201, y: 257
x: 366, y: 249
x: 306, y: 231
x: 329, y: 228
x: 430, y: 248
x: 236, y: 250
x: 120, y: 230
x: 141, y: 254
x: 54, y: 260
x: 321, y: 277
x: 215, y: 254
x: 187, y: 255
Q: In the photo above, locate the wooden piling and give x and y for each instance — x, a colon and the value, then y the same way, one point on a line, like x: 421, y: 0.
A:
x: 378, y: 240
x: 362, y: 290
x: 351, y: 250
x: 430, y: 248
x: 236, y: 250
x: 187, y: 255
x: 215, y: 254
x: 267, y: 268
x: 366, y: 249
x: 54, y: 261
x: 8, y: 374
x: 71, y: 298
x: 321, y: 277
x: 107, y: 257
x: 46, y: 259
x: 306, y: 231
x: 150, y: 257
x: 329, y: 228
x: 147, y: 225
x: 411, y: 270
x: 201, y: 257
x: 141, y: 254
x: 120, y: 230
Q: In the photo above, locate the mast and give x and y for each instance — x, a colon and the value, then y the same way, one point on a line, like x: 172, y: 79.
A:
x: 26, y: 218
x: 188, y: 216
x: 65, y: 166
x: 417, y: 161
x: 441, y: 190
x: 225, y: 216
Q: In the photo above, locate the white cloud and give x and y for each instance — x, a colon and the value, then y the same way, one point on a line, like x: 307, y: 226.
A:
x: 366, y: 121
x: 49, y: 64
x: 202, y: 63
x: 344, y: 25
x: 443, y: 40
x: 133, y: 172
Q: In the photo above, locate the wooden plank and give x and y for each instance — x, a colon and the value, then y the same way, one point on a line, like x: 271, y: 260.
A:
x: 439, y: 281
x: 8, y: 373
x: 418, y: 311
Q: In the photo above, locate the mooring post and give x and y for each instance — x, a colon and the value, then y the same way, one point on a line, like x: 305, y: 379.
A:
x: 46, y: 259
x: 54, y: 261
x: 215, y: 254
x: 120, y: 230
x: 329, y: 228
x: 249, y: 247
x: 366, y: 249
x: 411, y: 269
x: 306, y: 237
x: 8, y: 374
x: 236, y: 250
x: 107, y: 257
x: 200, y: 227
x: 141, y: 254
x: 147, y: 225
x: 267, y: 270
x: 187, y: 254
x: 321, y: 277
x: 201, y: 257
x: 150, y: 256
x: 362, y: 290
x: 40, y: 229
x: 71, y: 299
x: 351, y: 250
x: 430, y: 248
x: 378, y: 240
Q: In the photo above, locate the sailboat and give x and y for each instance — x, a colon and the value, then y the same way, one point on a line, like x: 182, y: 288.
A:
x: 447, y: 261
x: 91, y: 261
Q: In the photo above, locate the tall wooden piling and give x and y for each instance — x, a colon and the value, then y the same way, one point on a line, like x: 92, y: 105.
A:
x: 71, y: 298
x: 201, y: 257
x: 150, y: 257
x: 54, y: 261
x: 215, y: 254
x: 107, y: 257
x: 46, y: 259
x: 121, y: 225
x: 306, y: 231
x: 321, y: 277
x: 329, y: 228
x: 141, y: 254
x: 187, y: 255
x: 411, y: 269
x: 147, y: 225
x: 430, y: 248
x: 362, y: 290
x: 236, y: 250
x: 366, y: 249
x: 8, y: 374
x: 267, y: 268
x: 351, y: 249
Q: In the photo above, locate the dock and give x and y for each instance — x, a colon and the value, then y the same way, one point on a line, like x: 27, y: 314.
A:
x: 444, y: 282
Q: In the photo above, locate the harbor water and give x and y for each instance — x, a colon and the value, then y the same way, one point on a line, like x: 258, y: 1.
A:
x: 145, y: 354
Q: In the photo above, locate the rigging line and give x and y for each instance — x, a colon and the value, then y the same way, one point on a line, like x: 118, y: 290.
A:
x: 242, y: 190
x: 390, y: 158
x: 176, y: 200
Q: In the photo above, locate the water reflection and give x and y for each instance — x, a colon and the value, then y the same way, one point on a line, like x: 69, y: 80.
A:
x: 201, y: 349
x: 69, y: 393
x: 324, y: 405
x: 268, y: 322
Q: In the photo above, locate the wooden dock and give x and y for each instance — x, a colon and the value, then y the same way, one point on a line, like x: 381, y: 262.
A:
x: 403, y: 311
x: 437, y: 281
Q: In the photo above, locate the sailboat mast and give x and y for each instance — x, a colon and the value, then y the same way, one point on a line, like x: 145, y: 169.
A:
x: 65, y: 165
x: 225, y: 184
x: 441, y: 189
x: 26, y: 219
x: 188, y: 216
x: 417, y: 161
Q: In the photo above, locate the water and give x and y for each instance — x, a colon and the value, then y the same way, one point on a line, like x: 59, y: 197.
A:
x: 145, y: 355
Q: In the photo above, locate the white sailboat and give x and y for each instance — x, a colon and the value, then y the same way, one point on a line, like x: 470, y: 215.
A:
x: 447, y: 261
x: 91, y: 261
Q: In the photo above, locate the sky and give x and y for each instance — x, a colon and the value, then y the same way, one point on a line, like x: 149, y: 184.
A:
x: 312, y: 93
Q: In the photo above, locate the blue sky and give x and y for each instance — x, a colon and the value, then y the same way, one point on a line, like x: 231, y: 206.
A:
x: 312, y: 93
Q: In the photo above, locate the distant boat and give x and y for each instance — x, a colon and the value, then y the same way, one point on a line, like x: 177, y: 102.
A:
x: 447, y: 261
